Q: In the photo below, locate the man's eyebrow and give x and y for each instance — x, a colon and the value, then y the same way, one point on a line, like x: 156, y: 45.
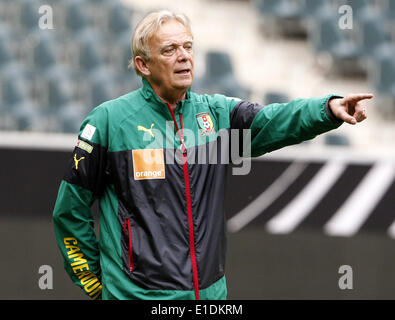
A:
x: 169, y: 44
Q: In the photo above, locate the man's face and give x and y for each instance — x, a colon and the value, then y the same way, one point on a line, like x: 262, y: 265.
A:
x: 171, y: 61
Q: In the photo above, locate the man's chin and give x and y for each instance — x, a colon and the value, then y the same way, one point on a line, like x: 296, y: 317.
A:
x: 184, y: 84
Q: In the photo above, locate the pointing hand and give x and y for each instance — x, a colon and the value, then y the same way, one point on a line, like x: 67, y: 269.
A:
x: 351, y: 108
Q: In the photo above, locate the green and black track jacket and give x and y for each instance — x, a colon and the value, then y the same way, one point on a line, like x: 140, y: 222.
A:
x: 159, y: 177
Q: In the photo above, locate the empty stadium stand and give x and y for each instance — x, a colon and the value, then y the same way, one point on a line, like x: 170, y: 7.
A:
x: 64, y: 72
x: 92, y: 39
x: 364, y: 49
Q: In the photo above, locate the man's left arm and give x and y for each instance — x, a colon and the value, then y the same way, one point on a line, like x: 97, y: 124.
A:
x: 281, y: 124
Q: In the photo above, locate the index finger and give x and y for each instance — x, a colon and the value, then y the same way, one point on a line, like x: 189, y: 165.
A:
x: 359, y: 96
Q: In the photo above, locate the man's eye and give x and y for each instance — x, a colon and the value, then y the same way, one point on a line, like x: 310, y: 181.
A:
x: 188, y: 47
x: 168, y: 51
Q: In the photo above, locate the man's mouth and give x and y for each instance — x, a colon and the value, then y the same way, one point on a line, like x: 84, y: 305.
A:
x: 183, y: 71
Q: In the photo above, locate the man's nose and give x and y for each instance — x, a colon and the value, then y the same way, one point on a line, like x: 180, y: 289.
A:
x: 183, y: 54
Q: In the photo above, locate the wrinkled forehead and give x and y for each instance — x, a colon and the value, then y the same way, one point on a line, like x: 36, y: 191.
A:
x: 170, y: 32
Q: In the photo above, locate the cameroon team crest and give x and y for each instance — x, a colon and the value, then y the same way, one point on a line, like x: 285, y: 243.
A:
x: 205, y: 123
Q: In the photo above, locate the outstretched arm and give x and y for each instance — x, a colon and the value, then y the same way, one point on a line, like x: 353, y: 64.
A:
x: 281, y: 124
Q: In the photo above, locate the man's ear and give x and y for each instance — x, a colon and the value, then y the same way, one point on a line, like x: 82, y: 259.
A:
x: 142, y: 65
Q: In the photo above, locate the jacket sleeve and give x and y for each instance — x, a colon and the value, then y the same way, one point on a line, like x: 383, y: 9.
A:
x: 73, y: 222
x: 281, y: 124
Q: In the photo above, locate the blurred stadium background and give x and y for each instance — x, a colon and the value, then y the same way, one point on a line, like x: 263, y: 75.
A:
x: 302, y: 212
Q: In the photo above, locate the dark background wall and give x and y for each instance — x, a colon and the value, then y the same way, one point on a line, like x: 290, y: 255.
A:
x: 300, y: 265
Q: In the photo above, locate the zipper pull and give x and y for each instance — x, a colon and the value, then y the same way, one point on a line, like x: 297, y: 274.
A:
x: 182, y: 147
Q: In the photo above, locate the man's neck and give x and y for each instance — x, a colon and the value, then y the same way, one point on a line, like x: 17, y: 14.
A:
x: 171, y: 98
x: 172, y: 101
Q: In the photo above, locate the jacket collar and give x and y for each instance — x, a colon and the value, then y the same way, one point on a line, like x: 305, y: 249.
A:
x: 149, y: 94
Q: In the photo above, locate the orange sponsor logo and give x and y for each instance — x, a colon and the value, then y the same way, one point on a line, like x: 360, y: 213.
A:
x: 148, y: 164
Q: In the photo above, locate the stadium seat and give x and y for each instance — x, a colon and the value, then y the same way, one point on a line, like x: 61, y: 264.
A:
x: 325, y: 34
x: 15, y: 70
x: 70, y: 117
x: 100, y: 90
x: 389, y: 13
x: 14, y: 91
x: 342, y: 45
x: 219, y: 77
x: 267, y: 13
x: 266, y: 6
x: 373, y: 31
x: 119, y: 20
x: 44, y: 54
x: 59, y: 92
x: 5, y: 7
x: 218, y: 64
x: 5, y: 52
x: 359, y: 7
x: 29, y: 16
x: 275, y: 97
x: 111, y: 17
x: 119, y: 53
x: 41, y: 88
x: 126, y: 54
x: 382, y: 70
x: 76, y: 19
x: 90, y: 54
x: 25, y: 115
x: 8, y: 34
x: 103, y: 3
x: 17, y: 107
x: 336, y: 140
x: 282, y: 17
x: 290, y: 9
x: 85, y: 92
x: 390, y: 10
x: 128, y: 81
x: 7, y: 122
x: 311, y: 7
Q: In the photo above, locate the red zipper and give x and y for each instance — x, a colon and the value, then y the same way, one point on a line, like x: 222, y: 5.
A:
x: 189, y: 203
x: 130, y: 251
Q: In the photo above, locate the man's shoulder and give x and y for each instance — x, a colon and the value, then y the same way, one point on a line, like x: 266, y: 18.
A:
x: 215, y: 100
x: 107, y: 117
